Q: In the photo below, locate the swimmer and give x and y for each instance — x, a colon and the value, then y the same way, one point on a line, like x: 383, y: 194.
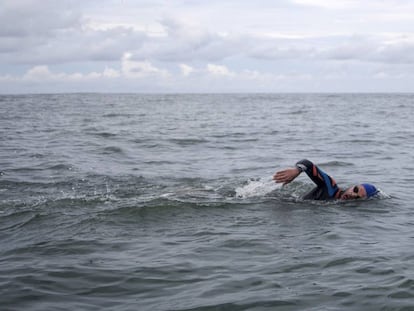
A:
x: 326, y: 187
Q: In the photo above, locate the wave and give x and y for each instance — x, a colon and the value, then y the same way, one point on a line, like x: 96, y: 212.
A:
x: 147, y: 143
x: 113, y: 150
x: 101, y: 192
x: 97, y: 193
x: 335, y: 164
x: 60, y: 166
x: 188, y: 141
x: 17, y: 220
x: 73, y: 192
x: 105, y: 134
x: 226, y: 135
x: 115, y: 115
x: 159, y: 162
x: 42, y: 167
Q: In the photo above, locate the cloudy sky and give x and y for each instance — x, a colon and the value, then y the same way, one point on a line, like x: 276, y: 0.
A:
x: 206, y: 46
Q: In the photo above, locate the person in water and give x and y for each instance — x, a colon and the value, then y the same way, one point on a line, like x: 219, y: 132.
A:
x: 326, y: 187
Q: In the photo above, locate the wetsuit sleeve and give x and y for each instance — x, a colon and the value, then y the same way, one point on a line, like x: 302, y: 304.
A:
x: 319, y: 177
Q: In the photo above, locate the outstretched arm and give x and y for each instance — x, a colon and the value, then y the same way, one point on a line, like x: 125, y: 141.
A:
x: 287, y: 175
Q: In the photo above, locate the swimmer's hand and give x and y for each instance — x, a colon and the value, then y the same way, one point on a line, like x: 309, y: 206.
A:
x: 286, y: 176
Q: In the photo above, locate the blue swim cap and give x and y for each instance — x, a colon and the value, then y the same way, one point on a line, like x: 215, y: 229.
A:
x: 370, y: 189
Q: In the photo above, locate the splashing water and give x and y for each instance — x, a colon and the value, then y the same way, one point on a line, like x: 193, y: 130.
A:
x: 257, y: 187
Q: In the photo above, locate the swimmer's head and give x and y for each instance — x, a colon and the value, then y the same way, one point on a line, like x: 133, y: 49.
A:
x: 361, y: 191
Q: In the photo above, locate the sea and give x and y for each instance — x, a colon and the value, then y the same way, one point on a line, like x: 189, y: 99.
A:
x: 166, y: 202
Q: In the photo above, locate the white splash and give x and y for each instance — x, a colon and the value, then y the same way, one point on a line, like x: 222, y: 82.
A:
x: 382, y: 195
x: 256, y: 188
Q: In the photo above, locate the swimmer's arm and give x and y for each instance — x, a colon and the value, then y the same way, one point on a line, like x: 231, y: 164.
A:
x: 314, y: 173
x: 288, y: 175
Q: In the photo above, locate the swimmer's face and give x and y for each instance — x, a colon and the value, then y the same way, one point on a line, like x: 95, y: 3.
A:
x: 354, y: 192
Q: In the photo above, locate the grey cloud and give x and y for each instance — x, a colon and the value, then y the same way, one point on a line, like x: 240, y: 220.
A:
x: 99, y: 45
x: 12, y: 44
x: 51, y: 32
x: 27, y: 25
x: 186, y: 43
x: 48, y: 32
x: 372, y: 50
x: 401, y: 53
x: 26, y: 18
x: 181, y: 45
x: 341, y: 48
x: 277, y: 50
x: 74, y: 46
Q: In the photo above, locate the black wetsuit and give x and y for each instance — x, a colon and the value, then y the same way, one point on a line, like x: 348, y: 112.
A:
x: 326, y: 187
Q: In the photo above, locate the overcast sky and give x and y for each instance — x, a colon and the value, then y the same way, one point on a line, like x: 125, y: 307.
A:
x: 206, y: 46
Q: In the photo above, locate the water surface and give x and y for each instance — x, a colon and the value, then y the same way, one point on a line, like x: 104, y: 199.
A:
x: 165, y: 202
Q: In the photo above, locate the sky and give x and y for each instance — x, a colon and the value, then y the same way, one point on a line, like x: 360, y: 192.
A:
x: 214, y: 46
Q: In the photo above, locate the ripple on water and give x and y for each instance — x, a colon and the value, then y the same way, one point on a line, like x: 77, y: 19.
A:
x: 112, y: 150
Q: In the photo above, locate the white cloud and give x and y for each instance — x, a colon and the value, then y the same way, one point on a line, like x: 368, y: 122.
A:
x: 140, y: 69
x: 39, y: 73
x: 219, y: 70
x: 130, y: 70
x: 186, y: 70
x: 337, y: 4
x: 42, y: 74
x: 111, y: 73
